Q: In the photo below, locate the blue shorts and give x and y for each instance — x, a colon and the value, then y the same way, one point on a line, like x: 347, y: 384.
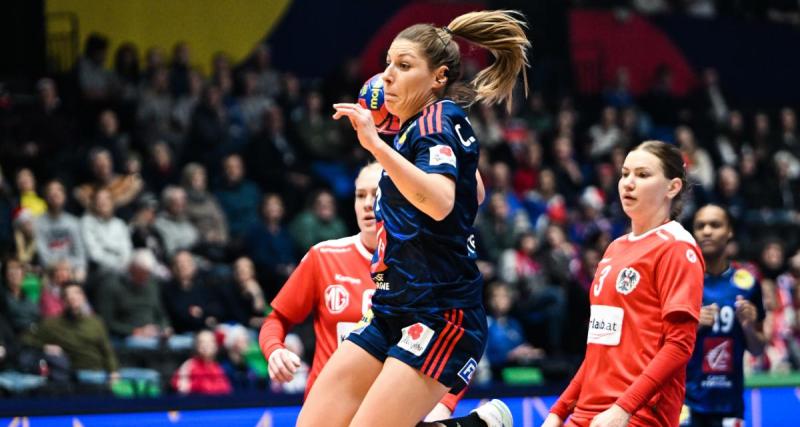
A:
x: 445, y: 345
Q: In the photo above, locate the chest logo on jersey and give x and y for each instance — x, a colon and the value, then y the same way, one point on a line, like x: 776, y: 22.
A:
x: 402, y: 139
x: 605, y: 325
x: 743, y: 279
x: 336, y: 298
x: 717, y: 355
x: 627, y: 279
x: 416, y: 338
x: 442, y: 155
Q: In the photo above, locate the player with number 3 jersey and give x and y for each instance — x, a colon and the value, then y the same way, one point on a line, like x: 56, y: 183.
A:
x: 645, y: 303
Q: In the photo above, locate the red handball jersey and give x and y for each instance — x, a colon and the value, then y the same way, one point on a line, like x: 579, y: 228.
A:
x: 639, y: 281
x: 334, y: 282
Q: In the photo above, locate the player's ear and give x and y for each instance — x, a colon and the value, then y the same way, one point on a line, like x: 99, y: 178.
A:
x: 674, y: 188
x: 440, y: 77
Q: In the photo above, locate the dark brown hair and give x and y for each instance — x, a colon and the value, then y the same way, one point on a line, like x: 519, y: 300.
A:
x: 673, y: 166
x: 728, y: 218
x: 502, y: 32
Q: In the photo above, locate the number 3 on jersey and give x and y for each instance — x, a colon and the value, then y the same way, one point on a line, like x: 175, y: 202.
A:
x: 599, y: 285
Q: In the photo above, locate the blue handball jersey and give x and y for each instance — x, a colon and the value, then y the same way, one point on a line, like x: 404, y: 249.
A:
x: 422, y: 265
x: 715, y: 376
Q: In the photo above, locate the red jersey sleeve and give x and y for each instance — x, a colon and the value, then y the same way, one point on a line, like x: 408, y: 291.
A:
x: 569, y: 398
x: 273, y: 333
x: 680, y: 335
x: 299, y: 295
x: 679, y: 278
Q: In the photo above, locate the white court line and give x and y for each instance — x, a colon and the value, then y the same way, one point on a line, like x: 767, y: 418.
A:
x: 540, y: 407
x: 755, y: 402
x: 527, y: 412
x: 265, y: 420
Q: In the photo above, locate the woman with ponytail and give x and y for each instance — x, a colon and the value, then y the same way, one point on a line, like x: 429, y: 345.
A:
x: 428, y: 330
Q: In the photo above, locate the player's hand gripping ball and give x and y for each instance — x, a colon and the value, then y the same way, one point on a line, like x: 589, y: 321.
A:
x: 371, y: 97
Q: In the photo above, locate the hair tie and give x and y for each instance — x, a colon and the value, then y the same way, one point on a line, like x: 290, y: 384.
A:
x: 448, y: 31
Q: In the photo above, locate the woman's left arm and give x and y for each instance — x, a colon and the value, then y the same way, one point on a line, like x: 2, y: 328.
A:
x: 680, y: 330
x: 432, y: 193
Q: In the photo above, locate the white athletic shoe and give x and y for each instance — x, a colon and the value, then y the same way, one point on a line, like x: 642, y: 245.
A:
x: 495, y: 413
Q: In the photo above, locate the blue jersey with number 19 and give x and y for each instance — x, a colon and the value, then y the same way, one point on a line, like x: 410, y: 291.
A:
x: 422, y: 265
x: 715, y: 374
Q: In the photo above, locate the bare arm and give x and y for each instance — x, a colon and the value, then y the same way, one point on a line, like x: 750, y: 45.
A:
x: 753, y: 329
x: 481, y: 188
x: 431, y: 193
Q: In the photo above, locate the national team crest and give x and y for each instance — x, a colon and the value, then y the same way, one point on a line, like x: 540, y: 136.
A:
x: 627, y: 279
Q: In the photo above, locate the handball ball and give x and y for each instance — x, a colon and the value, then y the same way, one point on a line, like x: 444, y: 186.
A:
x: 371, y: 98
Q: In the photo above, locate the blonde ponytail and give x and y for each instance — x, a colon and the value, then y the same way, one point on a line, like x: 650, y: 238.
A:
x: 502, y: 32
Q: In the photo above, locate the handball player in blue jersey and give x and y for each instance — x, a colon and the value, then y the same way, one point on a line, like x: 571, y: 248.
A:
x: 731, y: 321
x: 429, y: 326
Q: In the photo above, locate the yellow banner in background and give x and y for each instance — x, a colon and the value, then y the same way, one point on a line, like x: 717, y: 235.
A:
x: 208, y: 26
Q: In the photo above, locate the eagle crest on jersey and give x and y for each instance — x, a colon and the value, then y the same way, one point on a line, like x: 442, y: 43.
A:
x: 627, y: 280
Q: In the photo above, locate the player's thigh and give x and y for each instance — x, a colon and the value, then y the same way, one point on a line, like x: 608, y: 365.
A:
x: 400, y: 396
x: 340, y: 387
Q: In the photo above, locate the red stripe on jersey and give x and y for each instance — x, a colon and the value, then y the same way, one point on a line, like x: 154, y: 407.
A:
x: 423, y: 130
x: 444, y: 352
x: 451, y: 346
x: 429, y: 117
x: 449, y: 316
x: 449, y: 352
x: 438, y: 119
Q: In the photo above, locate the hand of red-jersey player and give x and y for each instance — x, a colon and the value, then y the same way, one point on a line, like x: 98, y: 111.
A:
x: 745, y: 312
x: 282, y: 365
x: 611, y: 417
x: 552, y: 420
x: 708, y: 314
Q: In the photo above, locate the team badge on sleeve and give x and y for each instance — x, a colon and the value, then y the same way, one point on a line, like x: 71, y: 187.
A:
x: 416, y: 338
x: 442, y: 155
x: 627, y: 280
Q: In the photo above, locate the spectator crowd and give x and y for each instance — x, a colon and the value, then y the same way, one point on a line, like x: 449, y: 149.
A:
x: 149, y: 213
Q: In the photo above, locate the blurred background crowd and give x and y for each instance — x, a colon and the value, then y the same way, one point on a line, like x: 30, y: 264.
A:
x: 149, y: 211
